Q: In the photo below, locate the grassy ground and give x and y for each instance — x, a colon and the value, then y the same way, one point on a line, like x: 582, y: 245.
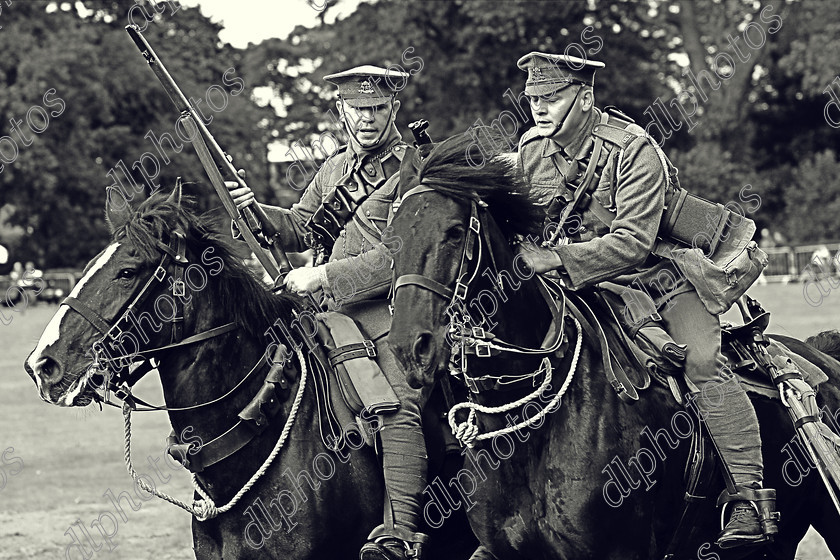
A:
x: 71, y: 458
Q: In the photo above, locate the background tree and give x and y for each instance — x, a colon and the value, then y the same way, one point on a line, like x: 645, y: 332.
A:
x: 743, y: 83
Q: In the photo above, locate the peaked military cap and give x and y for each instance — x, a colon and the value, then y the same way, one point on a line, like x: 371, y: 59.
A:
x: 548, y: 73
x: 366, y: 86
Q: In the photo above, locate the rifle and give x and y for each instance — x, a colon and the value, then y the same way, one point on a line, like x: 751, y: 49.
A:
x: 253, y: 224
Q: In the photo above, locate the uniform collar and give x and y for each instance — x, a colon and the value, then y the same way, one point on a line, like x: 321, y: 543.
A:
x: 580, y: 145
x: 356, y: 152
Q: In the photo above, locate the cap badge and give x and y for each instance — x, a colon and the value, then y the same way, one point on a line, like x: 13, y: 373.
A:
x: 366, y: 88
x: 537, y: 74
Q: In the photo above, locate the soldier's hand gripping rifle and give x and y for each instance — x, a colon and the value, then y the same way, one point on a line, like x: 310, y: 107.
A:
x: 252, y: 222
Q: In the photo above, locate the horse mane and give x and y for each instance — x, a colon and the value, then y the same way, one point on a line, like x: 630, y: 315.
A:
x: 451, y: 170
x: 235, y: 290
x: 827, y: 342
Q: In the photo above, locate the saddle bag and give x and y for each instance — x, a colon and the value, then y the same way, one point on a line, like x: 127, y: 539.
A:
x: 722, y: 266
x: 363, y: 384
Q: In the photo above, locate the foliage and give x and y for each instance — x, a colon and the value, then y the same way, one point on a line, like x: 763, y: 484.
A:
x: 56, y: 186
x: 762, y: 126
x: 809, y: 217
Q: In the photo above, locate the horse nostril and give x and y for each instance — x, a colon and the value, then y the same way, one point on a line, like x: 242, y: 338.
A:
x: 48, y: 370
x: 424, y: 349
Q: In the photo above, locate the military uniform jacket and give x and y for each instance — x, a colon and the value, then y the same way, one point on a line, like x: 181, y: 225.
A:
x: 631, y: 179
x: 359, y: 266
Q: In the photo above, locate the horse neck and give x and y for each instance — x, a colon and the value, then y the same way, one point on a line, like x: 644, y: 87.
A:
x: 202, y: 372
x: 509, y: 298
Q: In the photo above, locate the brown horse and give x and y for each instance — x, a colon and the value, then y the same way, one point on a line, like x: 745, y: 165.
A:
x: 595, y: 478
x: 312, y: 502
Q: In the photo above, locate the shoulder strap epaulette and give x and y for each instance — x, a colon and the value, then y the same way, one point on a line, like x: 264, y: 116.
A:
x: 399, y: 150
x: 617, y: 134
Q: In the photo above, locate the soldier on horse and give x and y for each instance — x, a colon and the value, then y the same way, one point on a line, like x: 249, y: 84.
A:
x: 574, y: 149
x: 342, y: 214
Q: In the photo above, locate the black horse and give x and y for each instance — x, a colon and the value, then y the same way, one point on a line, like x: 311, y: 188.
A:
x: 311, y: 502
x: 595, y: 478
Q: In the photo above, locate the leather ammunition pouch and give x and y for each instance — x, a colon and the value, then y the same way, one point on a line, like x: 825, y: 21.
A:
x: 326, y: 224
x: 363, y: 384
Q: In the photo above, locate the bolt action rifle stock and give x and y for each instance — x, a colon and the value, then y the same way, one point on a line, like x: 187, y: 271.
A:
x: 253, y: 224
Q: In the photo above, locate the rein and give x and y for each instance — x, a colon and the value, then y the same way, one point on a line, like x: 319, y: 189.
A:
x: 482, y: 343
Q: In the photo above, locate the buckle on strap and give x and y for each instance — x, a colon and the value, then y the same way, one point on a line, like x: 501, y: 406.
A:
x: 482, y: 350
x: 160, y: 273
x: 179, y: 288
x: 461, y: 291
x: 475, y: 224
x: 370, y: 348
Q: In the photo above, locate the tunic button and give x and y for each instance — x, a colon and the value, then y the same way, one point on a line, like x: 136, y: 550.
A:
x: 367, y: 212
x: 369, y: 169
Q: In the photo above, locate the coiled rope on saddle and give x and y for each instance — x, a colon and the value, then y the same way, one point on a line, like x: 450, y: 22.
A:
x: 467, y: 432
x: 205, y: 508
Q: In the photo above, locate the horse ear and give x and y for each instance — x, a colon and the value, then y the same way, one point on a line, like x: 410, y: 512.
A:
x: 177, y: 193
x: 117, y: 208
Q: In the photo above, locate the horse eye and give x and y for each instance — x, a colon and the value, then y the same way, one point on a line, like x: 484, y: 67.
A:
x: 454, y: 233
x: 127, y: 273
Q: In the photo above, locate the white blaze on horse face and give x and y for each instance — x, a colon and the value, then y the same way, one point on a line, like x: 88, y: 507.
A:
x: 53, y: 331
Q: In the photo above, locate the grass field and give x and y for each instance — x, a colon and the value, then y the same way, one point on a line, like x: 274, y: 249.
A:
x: 72, y: 458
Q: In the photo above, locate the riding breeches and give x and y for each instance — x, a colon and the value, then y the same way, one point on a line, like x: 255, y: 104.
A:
x: 404, y: 458
x: 720, y: 398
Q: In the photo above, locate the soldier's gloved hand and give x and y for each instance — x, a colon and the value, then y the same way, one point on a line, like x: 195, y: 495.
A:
x: 538, y: 258
x: 242, y: 196
x: 303, y: 280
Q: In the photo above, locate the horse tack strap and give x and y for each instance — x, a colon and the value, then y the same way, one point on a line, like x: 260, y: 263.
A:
x: 424, y: 282
x: 254, y: 418
x: 623, y: 386
x: 366, y: 349
x: 92, y: 316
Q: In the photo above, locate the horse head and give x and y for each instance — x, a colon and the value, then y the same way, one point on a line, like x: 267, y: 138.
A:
x: 455, y: 220
x: 151, y: 286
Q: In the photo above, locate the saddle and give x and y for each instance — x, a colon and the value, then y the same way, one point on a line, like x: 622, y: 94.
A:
x: 633, y: 335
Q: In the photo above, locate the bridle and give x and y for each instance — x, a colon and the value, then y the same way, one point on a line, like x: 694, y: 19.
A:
x: 470, y: 336
x: 111, y: 373
x: 469, y: 263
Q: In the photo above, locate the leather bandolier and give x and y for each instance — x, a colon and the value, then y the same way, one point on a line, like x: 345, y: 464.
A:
x: 350, y: 185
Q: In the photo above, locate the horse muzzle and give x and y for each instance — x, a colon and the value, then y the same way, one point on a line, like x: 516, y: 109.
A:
x: 53, y: 387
